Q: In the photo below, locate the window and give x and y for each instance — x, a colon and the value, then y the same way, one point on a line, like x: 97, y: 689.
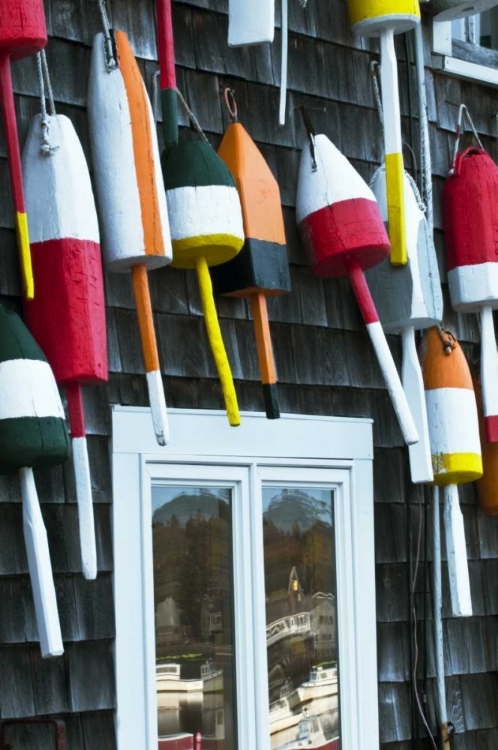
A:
x: 469, y: 46
x: 244, y: 583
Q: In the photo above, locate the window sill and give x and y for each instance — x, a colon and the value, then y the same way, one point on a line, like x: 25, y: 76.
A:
x: 462, y: 59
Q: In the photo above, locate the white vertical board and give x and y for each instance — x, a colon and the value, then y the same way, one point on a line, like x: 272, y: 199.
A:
x: 250, y: 22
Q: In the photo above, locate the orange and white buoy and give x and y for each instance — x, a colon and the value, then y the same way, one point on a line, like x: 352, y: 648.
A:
x: 455, y: 446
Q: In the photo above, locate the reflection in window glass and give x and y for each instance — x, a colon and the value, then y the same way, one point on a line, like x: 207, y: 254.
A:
x: 193, y: 600
x: 301, y: 618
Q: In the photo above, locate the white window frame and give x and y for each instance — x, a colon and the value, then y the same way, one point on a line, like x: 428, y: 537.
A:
x: 442, y: 44
x: 294, y: 449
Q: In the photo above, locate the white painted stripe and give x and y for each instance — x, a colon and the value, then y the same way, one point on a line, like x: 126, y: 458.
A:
x: 393, y: 383
x: 28, y: 390
x: 489, y: 364
x: 456, y: 549
x: 114, y: 163
x: 413, y: 385
x: 161, y: 193
x: 250, y: 22
x: 390, y: 94
x: 453, y: 423
x: 374, y: 26
x: 211, y: 209
x: 158, y: 406
x: 40, y: 569
x: 85, y: 508
x: 58, y: 190
x: 334, y: 180
x: 473, y: 286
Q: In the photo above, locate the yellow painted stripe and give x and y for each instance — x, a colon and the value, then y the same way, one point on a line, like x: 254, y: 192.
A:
x: 220, y: 248
x: 216, y: 341
x: 25, y: 254
x: 360, y: 10
x: 396, y: 209
x: 456, y: 468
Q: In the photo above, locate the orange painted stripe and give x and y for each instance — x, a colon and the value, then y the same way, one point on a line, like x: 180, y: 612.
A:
x: 441, y: 370
x: 141, y: 128
x: 263, y: 339
x: 145, y: 318
x: 258, y: 188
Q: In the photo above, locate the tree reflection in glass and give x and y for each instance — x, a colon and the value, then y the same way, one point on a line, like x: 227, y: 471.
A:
x: 301, y: 618
x: 193, y: 603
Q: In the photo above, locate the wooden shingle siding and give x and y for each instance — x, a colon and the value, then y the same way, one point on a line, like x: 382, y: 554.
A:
x: 323, y: 356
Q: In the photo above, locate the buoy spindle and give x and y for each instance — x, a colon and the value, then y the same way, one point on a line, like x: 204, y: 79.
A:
x: 167, y: 72
x: 384, y: 357
x: 15, y: 170
x: 216, y: 341
x: 40, y: 568
x: 157, y: 398
x: 83, y: 480
x: 265, y: 355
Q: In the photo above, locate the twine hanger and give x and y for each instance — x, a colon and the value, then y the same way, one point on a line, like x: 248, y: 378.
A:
x: 463, y: 112
x: 46, y: 148
x: 109, y: 46
x: 155, y: 106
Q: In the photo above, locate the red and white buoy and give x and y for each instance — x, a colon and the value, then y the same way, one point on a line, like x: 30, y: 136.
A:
x: 470, y: 213
x: 67, y: 315
x: 342, y: 229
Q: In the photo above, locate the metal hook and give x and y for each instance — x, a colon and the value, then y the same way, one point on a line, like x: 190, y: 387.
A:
x: 230, y: 103
x: 463, y: 111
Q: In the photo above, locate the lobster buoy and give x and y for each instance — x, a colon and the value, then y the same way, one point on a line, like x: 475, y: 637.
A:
x: 261, y: 269
x: 385, y: 19
x: 67, y: 316
x: 203, y: 204
x: 23, y: 32
x: 33, y: 434
x: 455, y: 446
x: 133, y: 209
x: 470, y: 214
x: 342, y: 229
x: 409, y: 298
x: 453, y: 10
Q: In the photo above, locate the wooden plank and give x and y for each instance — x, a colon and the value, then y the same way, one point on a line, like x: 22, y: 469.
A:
x: 392, y: 593
x: 16, y: 685
x: 50, y: 686
x: 91, y: 676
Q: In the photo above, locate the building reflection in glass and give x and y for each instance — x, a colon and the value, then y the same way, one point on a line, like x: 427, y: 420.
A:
x: 301, y: 618
x: 193, y: 598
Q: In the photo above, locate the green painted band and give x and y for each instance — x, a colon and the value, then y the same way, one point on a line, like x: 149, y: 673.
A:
x: 33, y: 441
x: 194, y: 164
x: 15, y: 340
x: 270, y: 395
x: 169, y: 107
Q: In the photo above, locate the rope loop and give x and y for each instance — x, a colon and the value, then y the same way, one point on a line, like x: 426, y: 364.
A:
x: 109, y: 45
x: 463, y: 112
x: 192, y: 117
x: 448, y: 341
x: 230, y: 103
x: 46, y: 148
x: 374, y: 71
x: 311, y: 133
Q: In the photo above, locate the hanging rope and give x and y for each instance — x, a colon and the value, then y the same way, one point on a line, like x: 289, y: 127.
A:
x: 155, y: 95
x: 311, y: 133
x: 192, y: 117
x: 110, y: 57
x: 463, y: 112
x: 46, y: 148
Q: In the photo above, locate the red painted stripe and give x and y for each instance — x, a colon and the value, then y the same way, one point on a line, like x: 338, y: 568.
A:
x: 346, y: 231
x: 491, y: 424
x: 166, y: 45
x: 362, y: 294
x: 76, y: 411
x: 10, y: 126
x: 470, y: 211
x: 67, y: 316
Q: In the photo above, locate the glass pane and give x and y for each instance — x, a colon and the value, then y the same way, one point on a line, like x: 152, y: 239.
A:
x: 193, y: 599
x: 301, y: 618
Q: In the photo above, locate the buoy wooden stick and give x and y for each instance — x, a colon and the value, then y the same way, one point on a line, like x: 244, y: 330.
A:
x: 83, y: 481
x: 384, y: 356
x: 203, y: 205
x: 40, y: 568
x: 284, y: 60
x: 455, y: 446
x: 385, y: 19
x: 393, y: 149
x: 250, y: 22
x: 14, y: 161
x: 437, y: 605
x: 216, y: 341
x: 150, y: 352
x: 265, y: 354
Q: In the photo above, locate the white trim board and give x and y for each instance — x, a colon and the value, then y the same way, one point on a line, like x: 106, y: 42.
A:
x: 300, y: 451
x: 442, y: 44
